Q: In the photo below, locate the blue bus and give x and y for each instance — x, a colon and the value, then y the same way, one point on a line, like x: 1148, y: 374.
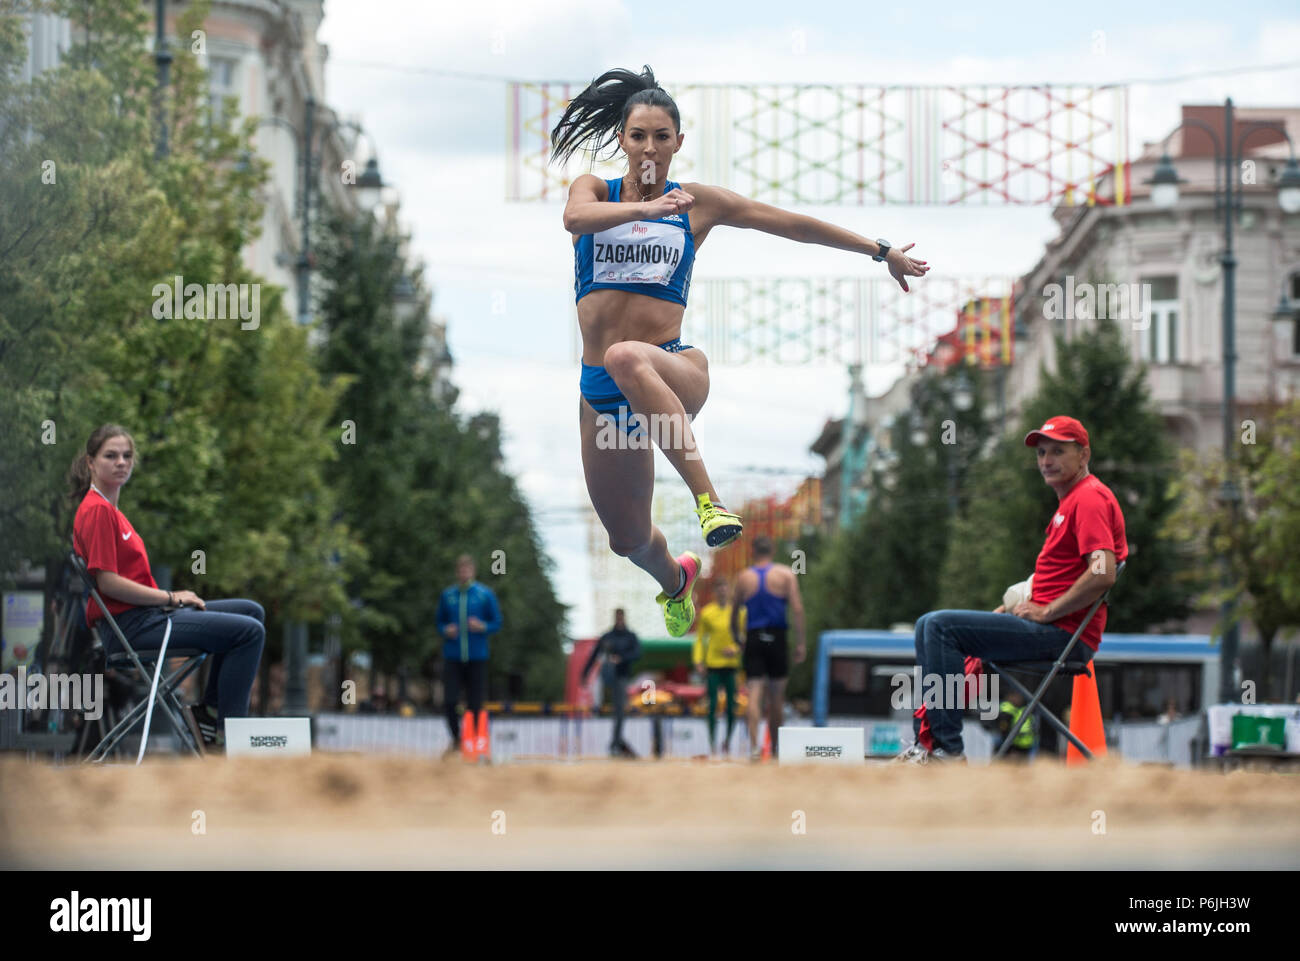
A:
x: 1139, y: 676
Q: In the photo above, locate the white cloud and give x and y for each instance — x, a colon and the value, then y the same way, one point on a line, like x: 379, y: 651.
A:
x: 1278, y: 42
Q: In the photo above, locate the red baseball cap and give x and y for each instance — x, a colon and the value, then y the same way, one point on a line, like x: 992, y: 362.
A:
x: 1058, y: 428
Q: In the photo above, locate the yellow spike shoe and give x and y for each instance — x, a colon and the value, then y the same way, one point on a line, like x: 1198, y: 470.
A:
x: 679, y: 610
x: 718, y: 525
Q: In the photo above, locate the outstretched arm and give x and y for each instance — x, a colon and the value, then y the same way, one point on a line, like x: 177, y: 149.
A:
x: 729, y: 209
x: 796, y: 615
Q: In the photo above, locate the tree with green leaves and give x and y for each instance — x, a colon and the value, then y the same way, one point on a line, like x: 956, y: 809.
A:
x: 230, y: 415
x: 1256, y: 535
x: 421, y: 485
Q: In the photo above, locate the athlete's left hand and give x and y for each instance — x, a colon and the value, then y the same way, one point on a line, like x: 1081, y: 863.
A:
x: 1032, y: 612
x: 475, y: 624
x: 798, y: 653
x: 901, y: 266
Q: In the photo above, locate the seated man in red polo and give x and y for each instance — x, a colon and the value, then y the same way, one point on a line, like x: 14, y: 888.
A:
x: 1085, y: 542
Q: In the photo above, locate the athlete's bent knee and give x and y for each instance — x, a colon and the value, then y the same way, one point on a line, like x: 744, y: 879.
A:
x: 628, y: 547
x: 624, y: 360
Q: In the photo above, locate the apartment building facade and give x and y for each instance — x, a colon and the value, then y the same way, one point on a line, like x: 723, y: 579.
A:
x: 1168, y: 261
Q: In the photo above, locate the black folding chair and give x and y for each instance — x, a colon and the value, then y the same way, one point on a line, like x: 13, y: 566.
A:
x: 1052, y: 669
x: 127, y: 660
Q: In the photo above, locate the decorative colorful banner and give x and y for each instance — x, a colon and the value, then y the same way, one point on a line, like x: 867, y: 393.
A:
x: 860, y: 145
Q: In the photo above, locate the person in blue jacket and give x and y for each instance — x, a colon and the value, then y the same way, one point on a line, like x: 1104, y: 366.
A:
x: 467, y: 613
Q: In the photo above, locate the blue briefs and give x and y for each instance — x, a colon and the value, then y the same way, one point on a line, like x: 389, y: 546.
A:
x: 600, y: 391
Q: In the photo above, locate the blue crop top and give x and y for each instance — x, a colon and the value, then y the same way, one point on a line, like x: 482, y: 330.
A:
x: 651, y: 257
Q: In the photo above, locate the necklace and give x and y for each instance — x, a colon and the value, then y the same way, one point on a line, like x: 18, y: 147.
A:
x: 645, y: 198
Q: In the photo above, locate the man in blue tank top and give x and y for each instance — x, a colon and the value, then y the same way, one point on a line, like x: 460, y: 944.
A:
x: 766, y: 590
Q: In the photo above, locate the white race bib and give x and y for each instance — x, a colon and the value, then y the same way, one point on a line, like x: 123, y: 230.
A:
x: 637, y: 253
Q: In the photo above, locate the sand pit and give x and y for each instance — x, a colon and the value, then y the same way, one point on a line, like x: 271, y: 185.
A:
x: 352, y: 811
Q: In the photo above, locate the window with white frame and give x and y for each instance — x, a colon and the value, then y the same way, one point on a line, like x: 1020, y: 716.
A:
x: 222, y: 72
x: 1158, y: 343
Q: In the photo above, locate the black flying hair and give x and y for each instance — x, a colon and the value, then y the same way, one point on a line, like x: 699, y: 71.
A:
x: 602, y: 109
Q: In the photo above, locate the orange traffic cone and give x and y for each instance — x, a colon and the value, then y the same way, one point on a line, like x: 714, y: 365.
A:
x: 767, y: 742
x: 1085, y: 719
x: 467, y: 738
x: 482, y: 746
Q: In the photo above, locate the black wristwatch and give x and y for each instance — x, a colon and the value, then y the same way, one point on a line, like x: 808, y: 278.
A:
x: 884, y: 249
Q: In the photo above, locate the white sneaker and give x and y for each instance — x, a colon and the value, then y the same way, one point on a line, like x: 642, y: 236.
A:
x: 913, y: 755
x: 940, y: 756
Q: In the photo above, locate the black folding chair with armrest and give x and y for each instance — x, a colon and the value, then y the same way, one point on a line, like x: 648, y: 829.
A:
x: 128, y: 660
x: 1051, y: 669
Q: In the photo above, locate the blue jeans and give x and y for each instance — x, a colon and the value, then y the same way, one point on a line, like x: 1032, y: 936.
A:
x: 945, y: 638
x: 231, y: 631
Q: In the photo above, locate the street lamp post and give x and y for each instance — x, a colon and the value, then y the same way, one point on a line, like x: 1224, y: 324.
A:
x: 304, y: 247
x: 295, y: 631
x: 1164, y: 193
x: 162, y: 56
x: 370, y: 185
x: 962, y: 399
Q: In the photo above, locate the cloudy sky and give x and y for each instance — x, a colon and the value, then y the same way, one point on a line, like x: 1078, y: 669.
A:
x: 427, y: 80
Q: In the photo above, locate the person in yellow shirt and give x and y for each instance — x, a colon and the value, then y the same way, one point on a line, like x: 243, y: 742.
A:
x: 716, y: 650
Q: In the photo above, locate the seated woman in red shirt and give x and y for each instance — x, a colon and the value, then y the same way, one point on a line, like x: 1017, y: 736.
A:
x: 231, y: 631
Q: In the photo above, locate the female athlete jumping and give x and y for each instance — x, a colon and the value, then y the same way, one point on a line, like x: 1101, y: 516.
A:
x: 634, y: 244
